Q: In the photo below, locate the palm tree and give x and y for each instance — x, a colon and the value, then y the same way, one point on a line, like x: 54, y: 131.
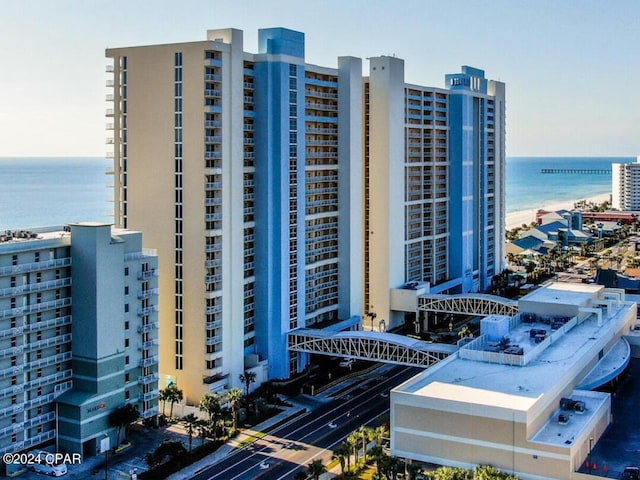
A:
x: 317, y: 468
x: 341, y: 453
x: 211, y: 405
x: 203, y: 429
x: 380, y: 432
x: 247, y: 378
x: 353, y: 440
x: 366, y: 434
x: 191, y: 423
x: 234, y: 397
x: 171, y: 394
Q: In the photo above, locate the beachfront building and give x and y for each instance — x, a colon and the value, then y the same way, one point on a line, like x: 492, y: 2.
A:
x: 625, y: 186
x: 272, y: 195
x: 434, y: 186
x: 78, y: 334
x: 244, y: 170
x: 520, y: 396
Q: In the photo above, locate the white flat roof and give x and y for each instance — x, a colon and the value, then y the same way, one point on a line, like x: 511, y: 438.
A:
x: 491, y: 384
x: 566, y: 293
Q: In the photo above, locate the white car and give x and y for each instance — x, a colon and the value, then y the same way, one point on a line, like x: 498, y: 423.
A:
x: 47, y: 464
x: 332, y: 425
x: 264, y: 465
x: 346, y: 363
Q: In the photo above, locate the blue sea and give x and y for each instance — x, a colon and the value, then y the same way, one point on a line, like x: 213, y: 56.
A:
x: 43, y: 191
x: 528, y: 188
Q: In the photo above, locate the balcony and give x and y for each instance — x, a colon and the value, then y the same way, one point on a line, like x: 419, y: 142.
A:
x: 147, y: 310
x: 212, y: 278
x: 56, y: 377
x: 149, y: 412
x: 322, y: 106
x: 214, y: 309
x: 34, y: 287
x: 213, y: 139
x: 35, y: 266
x: 145, y: 380
x: 213, y: 325
x: 147, y: 397
x: 213, y: 340
x: 151, y: 292
x: 210, y: 202
x: 213, y: 155
x: 211, y: 92
x: 147, y: 362
x: 148, y: 344
x: 212, y: 77
x: 35, y: 308
x: 213, y: 186
x: 149, y: 327
x: 146, y: 274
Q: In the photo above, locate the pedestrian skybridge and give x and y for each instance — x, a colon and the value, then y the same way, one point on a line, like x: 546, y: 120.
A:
x: 468, y: 304
x: 374, y: 346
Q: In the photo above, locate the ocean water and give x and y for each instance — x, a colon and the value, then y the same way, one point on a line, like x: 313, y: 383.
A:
x: 44, y: 191
x: 528, y: 188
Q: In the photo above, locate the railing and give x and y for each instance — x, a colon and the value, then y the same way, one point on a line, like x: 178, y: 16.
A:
x: 149, y: 327
x: 56, y: 377
x: 147, y: 362
x: 210, y: 92
x: 148, y: 344
x: 213, y: 325
x: 146, y: 274
x: 34, y: 287
x: 145, y: 397
x: 142, y: 294
x: 35, y: 266
x: 147, y: 310
x: 146, y: 379
x: 34, y: 308
x: 213, y: 340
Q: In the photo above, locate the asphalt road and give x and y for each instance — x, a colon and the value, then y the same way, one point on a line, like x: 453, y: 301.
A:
x: 311, y: 436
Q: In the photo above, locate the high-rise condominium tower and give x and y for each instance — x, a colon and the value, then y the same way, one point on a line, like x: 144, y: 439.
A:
x: 247, y: 172
x: 243, y: 170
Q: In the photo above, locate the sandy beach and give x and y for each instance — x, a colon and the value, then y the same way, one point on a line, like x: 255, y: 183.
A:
x: 516, y: 219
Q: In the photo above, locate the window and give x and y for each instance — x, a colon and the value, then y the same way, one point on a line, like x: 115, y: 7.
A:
x: 126, y: 289
x: 126, y: 360
x: 127, y: 395
x: 126, y: 308
x: 126, y: 271
x: 126, y: 325
x: 126, y: 343
x: 127, y: 377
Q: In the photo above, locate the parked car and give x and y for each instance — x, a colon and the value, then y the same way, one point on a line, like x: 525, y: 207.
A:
x: 45, y: 463
x: 631, y: 473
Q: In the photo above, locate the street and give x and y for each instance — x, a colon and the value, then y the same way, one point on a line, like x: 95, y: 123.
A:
x: 309, y: 437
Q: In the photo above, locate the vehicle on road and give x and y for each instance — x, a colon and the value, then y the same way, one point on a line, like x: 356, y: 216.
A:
x: 346, y: 363
x: 631, y: 473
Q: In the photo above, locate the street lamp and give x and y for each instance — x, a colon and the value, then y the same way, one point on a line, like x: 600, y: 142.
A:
x: 372, y: 316
x: 104, y: 447
x: 590, y: 448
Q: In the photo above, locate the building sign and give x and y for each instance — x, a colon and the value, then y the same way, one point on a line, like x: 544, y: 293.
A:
x: 98, y: 407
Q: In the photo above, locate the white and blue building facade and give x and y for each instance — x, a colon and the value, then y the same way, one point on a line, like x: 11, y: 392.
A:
x: 279, y: 193
x: 434, y: 198
x: 78, y: 335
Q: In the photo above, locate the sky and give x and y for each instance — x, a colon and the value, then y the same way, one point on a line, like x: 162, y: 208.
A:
x: 572, y: 68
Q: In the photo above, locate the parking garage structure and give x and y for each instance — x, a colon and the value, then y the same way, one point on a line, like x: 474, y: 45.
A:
x: 519, y: 396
